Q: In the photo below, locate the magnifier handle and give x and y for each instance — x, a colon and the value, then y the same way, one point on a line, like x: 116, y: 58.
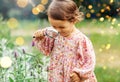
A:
x: 33, y: 36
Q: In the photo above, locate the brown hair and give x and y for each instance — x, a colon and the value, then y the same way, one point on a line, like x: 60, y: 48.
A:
x: 64, y: 10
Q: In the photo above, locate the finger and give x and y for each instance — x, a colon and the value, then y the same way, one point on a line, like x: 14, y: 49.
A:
x: 74, y: 77
x: 71, y: 75
x: 37, y: 33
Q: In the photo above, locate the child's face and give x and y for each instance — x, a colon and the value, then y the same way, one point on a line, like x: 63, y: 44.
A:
x: 65, y: 28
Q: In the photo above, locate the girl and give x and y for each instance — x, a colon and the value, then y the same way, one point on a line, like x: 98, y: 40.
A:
x: 72, y: 58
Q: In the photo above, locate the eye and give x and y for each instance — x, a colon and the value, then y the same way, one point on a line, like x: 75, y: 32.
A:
x: 61, y: 27
x: 54, y: 26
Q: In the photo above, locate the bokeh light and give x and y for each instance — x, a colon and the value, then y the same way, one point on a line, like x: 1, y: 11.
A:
x: 19, y: 41
x: 90, y: 7
x: 117, y: 71
x: 111, y: 1
x: 44, y: 2
x: 88, y: 15
x: 5, y: 62
x: 108, y: 8
x: 40, y: 8
x: 119, y: 25
x: 12, y: 23
x: 22, y: 3
x: 92, y: 11
x: 98, y: 14
x: 108, y: 46
x: 101, y: 19
x: 102, y: 10
x: 107, y: 16
x: 104, y: 67
x: 35, y: 11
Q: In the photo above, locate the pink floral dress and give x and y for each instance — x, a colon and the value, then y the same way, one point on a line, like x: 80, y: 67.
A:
x: 67, y: 55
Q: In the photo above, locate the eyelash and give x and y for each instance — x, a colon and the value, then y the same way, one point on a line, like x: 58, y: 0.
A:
x: 58, y: 27
x: 61, y: 27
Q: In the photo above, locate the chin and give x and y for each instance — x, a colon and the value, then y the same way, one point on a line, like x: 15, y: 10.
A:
x: 65, y: 35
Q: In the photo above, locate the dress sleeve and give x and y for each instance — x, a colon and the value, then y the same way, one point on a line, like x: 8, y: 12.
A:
x: 45, y: 45
x: 86, y: 59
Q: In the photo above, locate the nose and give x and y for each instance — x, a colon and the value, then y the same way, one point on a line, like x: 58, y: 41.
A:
x: 58, y: 29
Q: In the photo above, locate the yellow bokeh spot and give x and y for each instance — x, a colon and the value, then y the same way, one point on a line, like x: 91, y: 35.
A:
x: 117, y: 71
x: 114, y: 19
x: 100, y: 50
x: 88, y: 15
x: 111, y: 1
x: 5, y: 62
x: 108, y: 46
x: 35, y: 11
x: 22, y: 3
x: 40, y: 8
x: 118, y: 24
x: 44, y: 2
x: 19, y: 41
x: 102, y: 10
x: 107, y: 16
x: 108, y: 8
x: 12, y: 23
x: 98, y: 14
x: 102, y: 32
x: 90, y: 7
x: 104, y: 5
x: 101, y: 19
x: 92, y: 11
x: 104, y: 67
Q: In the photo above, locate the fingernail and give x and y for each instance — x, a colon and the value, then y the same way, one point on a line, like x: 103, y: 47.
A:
x: 71, y: 75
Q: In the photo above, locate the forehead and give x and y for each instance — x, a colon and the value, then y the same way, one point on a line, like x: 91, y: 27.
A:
x: 57, y: 22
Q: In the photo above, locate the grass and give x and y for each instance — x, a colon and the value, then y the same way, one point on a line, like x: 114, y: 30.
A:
x: 101, y: 34
x: 107, y: 75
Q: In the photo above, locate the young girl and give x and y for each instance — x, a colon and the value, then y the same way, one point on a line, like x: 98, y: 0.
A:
x: 72, y: 58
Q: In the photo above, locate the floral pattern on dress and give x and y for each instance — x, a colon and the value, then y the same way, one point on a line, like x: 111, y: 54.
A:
x: 67, y: 55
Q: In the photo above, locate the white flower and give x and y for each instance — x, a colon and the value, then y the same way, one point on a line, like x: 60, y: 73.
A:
x: 5, y: 62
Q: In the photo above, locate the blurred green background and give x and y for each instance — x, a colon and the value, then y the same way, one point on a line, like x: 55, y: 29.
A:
x: 19, y: 19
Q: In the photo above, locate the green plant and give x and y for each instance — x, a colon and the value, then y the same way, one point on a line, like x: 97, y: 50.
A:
x: 26, y: 66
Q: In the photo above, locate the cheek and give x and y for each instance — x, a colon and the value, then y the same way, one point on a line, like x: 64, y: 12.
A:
x: 65, y: 30
x: 68, y: 30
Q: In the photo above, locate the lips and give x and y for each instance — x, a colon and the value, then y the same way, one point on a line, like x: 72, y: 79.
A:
x: 64, y: 34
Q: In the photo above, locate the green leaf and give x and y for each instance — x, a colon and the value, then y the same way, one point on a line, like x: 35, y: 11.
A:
x: 10, y: 79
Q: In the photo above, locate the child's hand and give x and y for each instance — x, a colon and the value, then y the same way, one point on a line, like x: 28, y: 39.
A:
x: 74, y: 77
x: 38, y: 35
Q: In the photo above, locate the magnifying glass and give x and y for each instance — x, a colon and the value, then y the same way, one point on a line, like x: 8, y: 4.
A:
x: 50, y: 32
